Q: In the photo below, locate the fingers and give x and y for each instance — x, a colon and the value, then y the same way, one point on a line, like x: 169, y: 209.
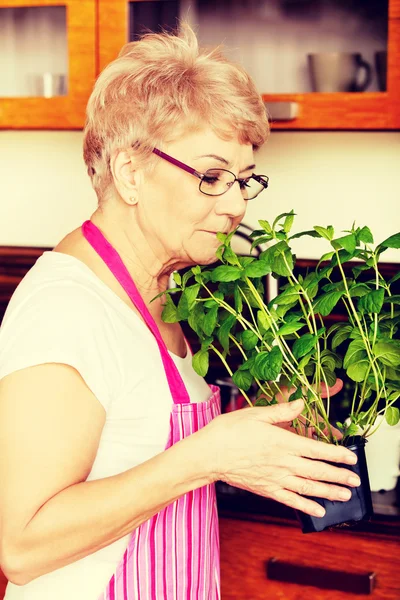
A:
x: 299, y: 503
x: 320, y: 489
x: 321, y: 451
x: 282, y: 413
x: 333, y: 389
x: 321, y: 471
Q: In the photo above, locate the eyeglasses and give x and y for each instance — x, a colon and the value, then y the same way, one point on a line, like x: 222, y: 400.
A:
x: 215, y: 182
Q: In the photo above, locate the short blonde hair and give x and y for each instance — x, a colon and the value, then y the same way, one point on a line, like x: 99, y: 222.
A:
x: 163, y: 87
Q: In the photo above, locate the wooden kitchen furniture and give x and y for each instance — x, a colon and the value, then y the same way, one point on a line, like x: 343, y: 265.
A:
x: 265, y: 555
x: 59, y: 112
x: 97, y: 29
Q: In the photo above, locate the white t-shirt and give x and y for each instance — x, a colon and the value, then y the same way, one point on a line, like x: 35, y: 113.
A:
x: 62, y: 312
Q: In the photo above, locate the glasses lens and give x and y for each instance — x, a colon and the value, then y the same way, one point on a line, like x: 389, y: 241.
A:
x: 216, y: 182
x: 253, y: 186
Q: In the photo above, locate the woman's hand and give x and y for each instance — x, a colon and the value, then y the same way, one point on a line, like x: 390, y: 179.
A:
x: 248, y: 451
x: 302, y: 427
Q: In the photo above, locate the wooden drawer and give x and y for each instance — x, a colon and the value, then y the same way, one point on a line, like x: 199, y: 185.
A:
x: 246, y: 546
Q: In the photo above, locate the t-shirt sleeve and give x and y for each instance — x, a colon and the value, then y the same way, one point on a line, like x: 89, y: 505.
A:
x: 61, y: 323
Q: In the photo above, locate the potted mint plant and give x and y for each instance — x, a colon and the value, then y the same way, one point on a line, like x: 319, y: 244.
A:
x: 285, y: 341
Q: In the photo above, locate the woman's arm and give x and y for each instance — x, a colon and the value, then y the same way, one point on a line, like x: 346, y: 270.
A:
x: 50, y: 426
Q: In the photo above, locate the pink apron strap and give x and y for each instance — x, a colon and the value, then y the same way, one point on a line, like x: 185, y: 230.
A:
x: 114, y: 262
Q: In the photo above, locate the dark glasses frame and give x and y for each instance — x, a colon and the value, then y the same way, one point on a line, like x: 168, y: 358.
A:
x: 262, y: 179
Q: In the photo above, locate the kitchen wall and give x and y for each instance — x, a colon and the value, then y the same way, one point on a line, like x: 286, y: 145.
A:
x: 326, y: 177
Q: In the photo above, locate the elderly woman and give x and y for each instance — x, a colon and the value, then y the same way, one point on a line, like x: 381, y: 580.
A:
x: 110, y: 443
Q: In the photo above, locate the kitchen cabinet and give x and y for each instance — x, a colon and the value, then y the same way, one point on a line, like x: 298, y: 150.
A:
x: 369, y: 110
x: 32, y: 57
x: 358, y: 561
x: 264, y: 553
x: 97, y: 29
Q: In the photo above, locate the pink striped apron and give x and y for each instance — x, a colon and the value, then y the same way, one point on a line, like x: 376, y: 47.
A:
x: 175, y: 554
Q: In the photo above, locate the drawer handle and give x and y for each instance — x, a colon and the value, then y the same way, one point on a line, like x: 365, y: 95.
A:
x: 356, y: 583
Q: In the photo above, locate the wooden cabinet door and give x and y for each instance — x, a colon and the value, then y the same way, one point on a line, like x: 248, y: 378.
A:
x: 112, y: 30
x: 59, y: 111
x: 357, y: 111
x: 350, y: 559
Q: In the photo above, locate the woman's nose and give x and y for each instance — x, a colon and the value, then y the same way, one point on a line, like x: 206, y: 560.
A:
x: 232, y: 202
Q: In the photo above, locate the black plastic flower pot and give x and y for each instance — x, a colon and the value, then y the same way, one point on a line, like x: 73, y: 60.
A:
x: 358, y: 508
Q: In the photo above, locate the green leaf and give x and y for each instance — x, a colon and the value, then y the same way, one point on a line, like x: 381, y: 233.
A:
x: 298, y: 393
x: 337, y: 326
x: 326, y: 303
x: 177, y: 277
x: 277, y: 256
x: 341, y: 335
x: 355, y: 352
x: 200, y: 362
x: 221, y: 237
x: 306, y: 359
x: 328, y: 360
x: 359, y: 290
x: 268, y: 365
x: 371, y: 302
x: 388, y: 352
x: 226, y: 273
x: 224, y: 330
x: 279, y: 217
x: 170, y: 312
x: 330, y: 376
x: 249, y: 339
x: 263, y: 321
x: 351, y: 429
x: 365, y: 235
x: 195, y: 319
x: 395, y: 299
x: 288, y: 222
x: 304, y: 344
x: 258, y: 268
x: 391, y: 242
x: 191, y: 292
x: 394, y: 278
x: 359, y: 269
x: 348, y: 242
x: 392, y: 415
x: 238, y: 299
x: 230, y: 256
x: 291, y: 327
x: 186, y: 277
x: 355, y: 334
x: 262, y: 402
x: 289, y: 296
x: 358, y: 370
x: 210, y: 320
x: 266, y: 226
x: 261, y: 240
x: 196, y: 270
x: 242, y: 379
x: 220, y: 252
x: 310, y: 232
x: 323, y: 232
x: 247, y: 365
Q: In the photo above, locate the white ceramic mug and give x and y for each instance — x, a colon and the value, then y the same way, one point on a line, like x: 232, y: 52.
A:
x: 383, y: 456
x: 338, y: 72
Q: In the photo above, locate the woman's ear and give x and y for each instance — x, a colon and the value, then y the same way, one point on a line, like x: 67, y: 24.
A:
x: 126, y: 177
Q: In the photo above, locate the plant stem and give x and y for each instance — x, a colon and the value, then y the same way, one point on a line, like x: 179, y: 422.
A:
x: 218, y: 353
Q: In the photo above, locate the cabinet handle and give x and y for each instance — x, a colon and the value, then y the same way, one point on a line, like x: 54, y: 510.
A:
x: 282, y: 111
x: 356, y: 583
